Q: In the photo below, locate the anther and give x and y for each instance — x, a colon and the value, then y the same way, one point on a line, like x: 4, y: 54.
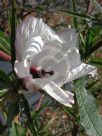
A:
x: 39, y: 73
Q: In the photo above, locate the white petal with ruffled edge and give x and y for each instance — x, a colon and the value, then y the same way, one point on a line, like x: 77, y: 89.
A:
x: 77, y: 67
x: 32, y: 35
x: 38, y: 45
x: 81, y: 70
x: 22, y: 69
x: 53, y: 90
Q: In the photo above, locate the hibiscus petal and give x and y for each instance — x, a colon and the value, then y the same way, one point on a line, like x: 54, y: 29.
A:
x: 81, y: 70
x: 71, y: 95
x: 22, y: 69
x: 77, y: 67
x: 68, y: 36
x: 28, y: 40
x: 35, y: 41
x: 53, y: 90
x: 67, y: 51
x: 49, y: 63
x: 31, y: 35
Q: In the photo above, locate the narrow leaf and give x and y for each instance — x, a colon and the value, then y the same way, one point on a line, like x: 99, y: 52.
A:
x: 4, y: 43
x: 77, y: 15
x: 74, y: 10
x: 13, y: 25
x: 4, y: 77
x: 98, y: 6
x: 89, y: 115
x: 3, y: 92
x: 17, y: 130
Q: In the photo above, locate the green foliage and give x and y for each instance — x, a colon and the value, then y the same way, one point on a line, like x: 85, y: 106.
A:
x: 89, y: 116
x: 4, y: 43
x: 77, y: 15
x: 2, y: 92
x: 96, y: 61
x: 39, y: 128
x: 90, y: 39
x: 13, y: 27
x: 98, y: 6
x: 17, y: 130
x: 4, y: 77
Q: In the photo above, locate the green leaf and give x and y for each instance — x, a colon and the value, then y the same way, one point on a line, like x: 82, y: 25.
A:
x: 24, y: 104
x: 12, y: 111
x: 4, y: 43
x: 98, y: 6
x: 36, y: 114
x: 91, y: 38
x: 87, y: 46
x: 39, y: 127
x: 3, y: 92
x: 13, y: 27
x: 96, y: 59
x: 17, y: 130
x: 89, y: 116
x: 74, y: 10
x: 4, y: 77
x: 6, y: 37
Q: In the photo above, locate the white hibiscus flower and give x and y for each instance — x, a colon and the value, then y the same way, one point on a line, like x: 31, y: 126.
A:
x: 46, y: 60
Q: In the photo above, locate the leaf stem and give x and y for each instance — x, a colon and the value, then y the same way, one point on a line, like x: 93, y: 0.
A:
x: 74, y: 10
x: 13, y: 24
x: 93, y: 48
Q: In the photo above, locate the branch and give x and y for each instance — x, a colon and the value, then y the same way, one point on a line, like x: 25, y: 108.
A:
x: 5, y: 56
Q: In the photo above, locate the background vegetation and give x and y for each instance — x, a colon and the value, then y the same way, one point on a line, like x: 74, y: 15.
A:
x: 47, y: 117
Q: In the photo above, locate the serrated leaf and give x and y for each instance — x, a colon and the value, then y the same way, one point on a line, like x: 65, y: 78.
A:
x: 89, y: 116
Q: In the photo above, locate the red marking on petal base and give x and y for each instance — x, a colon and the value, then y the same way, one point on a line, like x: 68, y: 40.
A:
x: 34, y: 72
x: 39, y: 73
x: 33, y: 69
x: 5, y: 56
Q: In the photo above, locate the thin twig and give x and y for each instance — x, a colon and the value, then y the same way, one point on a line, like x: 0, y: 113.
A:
x: 39, y: 102
x: 89, y: 6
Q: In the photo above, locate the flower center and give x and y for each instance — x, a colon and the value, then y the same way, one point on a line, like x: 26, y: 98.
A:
x: 40, y: 73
